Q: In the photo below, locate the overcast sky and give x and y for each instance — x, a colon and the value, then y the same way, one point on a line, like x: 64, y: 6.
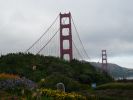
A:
x: 102, y: 24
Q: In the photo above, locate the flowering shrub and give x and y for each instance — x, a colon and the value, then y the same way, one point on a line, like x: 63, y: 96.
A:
x: 59, y: 95
x: 10, y: 81
x: 8, y: 76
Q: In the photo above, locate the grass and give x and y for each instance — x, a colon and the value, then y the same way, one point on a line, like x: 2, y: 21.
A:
x: 115, y: 91
x: 123, y: 86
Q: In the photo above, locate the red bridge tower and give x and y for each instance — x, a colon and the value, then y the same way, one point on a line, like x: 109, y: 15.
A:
x: 68, y: 37
x: 104, y: 61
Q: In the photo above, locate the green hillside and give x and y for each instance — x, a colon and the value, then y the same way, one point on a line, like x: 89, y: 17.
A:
x: 17, y: 74
x: 76, y: 75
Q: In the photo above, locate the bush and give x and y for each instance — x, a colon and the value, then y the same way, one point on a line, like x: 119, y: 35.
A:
x: 59, y: 95
x: 70, y: 84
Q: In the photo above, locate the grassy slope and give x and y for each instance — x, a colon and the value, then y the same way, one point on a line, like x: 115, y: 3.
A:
x: 122, y: 86
x: 116, y: 91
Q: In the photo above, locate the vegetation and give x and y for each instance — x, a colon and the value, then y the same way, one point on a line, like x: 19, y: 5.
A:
x: 4, y: 76
x: 27, y: 73
x: 115, y: 91
x: 59, y: 95
x: 121, y: 86
x: 52, y: 69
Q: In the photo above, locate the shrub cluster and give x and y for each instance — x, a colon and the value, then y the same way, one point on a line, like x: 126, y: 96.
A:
x: 13, y: 81
x: 59, y: 95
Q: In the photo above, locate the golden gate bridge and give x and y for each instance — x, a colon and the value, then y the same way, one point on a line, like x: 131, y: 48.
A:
x: 62, y: 39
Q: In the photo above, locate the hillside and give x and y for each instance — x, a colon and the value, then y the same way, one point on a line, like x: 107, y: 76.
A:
x: 115, y: 70
x: 75, y: 75
x: 19, y: 79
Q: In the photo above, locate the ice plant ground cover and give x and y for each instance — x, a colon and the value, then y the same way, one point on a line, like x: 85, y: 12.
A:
x: 8, y: 76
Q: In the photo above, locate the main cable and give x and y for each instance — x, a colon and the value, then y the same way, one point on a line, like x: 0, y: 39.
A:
x: 50, y: 39
x: 79, y: 38
x: 48, y: 42
x: 77, y: 49
x: 42, y: 34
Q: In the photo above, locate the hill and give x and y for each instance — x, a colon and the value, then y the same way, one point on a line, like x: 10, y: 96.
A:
x: 115, y: 70
x: 76, y: 75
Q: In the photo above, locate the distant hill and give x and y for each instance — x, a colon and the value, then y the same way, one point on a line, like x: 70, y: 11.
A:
x: 115, y: 70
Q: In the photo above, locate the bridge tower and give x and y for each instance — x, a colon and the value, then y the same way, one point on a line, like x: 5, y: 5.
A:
x: 63, y: 36
x: 104, y: 61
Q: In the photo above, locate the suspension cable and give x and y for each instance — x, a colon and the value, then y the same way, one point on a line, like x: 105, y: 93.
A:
x: 99, y: 59
x: 50, y: 38
x: 42, y: 34
x: 77, y: 49
x: 48, y: 42
x: 79, y: 38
